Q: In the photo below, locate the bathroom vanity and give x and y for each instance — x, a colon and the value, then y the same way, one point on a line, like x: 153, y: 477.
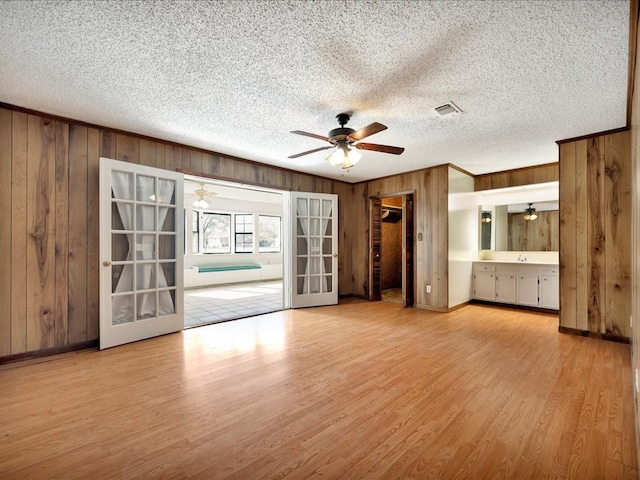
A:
x: 523, y: 283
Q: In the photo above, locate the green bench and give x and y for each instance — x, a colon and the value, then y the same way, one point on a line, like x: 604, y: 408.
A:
x: 225, y: 268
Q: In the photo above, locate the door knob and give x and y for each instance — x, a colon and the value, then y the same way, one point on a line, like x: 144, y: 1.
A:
x: 106, y: 263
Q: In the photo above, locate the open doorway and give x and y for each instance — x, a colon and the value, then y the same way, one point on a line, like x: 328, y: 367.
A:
x: 391, y: 249
x: 234, y: 251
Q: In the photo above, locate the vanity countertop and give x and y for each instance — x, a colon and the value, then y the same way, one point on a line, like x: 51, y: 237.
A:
x: 518, y: 262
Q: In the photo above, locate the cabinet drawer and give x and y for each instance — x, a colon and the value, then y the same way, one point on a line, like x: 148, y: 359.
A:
x: 550, y: 270
x: 484, y: 267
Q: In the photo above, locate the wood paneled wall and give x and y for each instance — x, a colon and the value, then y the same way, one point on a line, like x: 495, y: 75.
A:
x: 520, y: 176
x: 595, y: 234
x: 431, y: 190
x: 49, y: 221
x: 634, y: 94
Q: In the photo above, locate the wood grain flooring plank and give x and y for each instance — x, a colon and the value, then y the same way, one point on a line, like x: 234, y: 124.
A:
x: 357, y: 390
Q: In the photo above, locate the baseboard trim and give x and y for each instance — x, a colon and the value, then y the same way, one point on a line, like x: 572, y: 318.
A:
x: 432, y: 308
x: 514, y: 305
x: 46, y: 352
x: 587, y: 333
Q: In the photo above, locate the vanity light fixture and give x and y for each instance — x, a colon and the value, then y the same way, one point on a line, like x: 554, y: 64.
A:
x: 530, y: 213
x: 486, y: 217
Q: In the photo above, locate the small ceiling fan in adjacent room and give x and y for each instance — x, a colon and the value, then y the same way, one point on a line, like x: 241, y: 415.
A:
x: 345, y: 139
x: 200, y: 196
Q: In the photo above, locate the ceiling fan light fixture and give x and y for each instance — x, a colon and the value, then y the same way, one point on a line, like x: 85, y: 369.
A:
x: 530, y: 213
x: 200, y: 203
x: 344, y: 157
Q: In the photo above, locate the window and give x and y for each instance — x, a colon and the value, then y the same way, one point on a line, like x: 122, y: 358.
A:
x: 268, y: 234
x: 244, y: 233
x: 195, y: 232
x: 216, y: 232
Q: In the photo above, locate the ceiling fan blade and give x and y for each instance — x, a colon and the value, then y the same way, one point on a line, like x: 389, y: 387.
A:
x: 311, y: 151
x: 375, y: 127
x: 379, y: 148
x: 312, y: 135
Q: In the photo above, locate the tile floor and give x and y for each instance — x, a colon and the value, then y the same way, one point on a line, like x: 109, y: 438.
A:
x: 220, y: 303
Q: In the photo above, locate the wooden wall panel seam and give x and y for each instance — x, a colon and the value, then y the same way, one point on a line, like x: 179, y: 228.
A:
x: 62, y: 235
x: 5, y: 230
x: 19, y: 173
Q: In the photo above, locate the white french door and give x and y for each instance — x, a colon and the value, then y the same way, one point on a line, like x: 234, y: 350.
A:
x: 141, y: 252
x: 314, y: 222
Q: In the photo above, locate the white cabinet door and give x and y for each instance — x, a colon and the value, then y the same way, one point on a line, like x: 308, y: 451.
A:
x: 506, y: 287
x: 528, y: 290
x: 484, y: 286
x: 141, y: 252
x: 549, y: 292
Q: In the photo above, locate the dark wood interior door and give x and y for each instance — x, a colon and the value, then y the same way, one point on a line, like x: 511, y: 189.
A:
x: 407, y: 252
x: 375, y: 227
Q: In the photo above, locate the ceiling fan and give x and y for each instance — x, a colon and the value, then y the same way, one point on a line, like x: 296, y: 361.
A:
x: 201, y: 195
x: 344, y: 138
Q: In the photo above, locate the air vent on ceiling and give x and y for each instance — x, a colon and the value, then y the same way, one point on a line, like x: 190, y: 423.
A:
x: 448, y: 109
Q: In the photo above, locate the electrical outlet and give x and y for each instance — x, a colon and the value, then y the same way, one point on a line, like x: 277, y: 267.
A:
x: 428, y: 288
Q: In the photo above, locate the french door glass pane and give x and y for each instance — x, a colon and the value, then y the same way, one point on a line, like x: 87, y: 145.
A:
x: 167, y: 302
x: 145, y: 246
x: 122, y: 183
x: 169, y: 214
x: 145, y: 276
x: 314, y: 207
x: 328, y: 287
x: 302, y: 284
x: 118, y: 211
x: 328, y: 264
x: 168, y: 277
x: 327, y: 227
x: 327, y: 208
x: 166, y: 247
x: 126, y: 284
x: 145, y: 188
x: 146, y: 305
x: 302, y: 207
x: 120, y: 251
x: 314, y: 284
x: 164, y: 187
x: 146, y: 218
x: 124, y: 311
x: 314, y: 244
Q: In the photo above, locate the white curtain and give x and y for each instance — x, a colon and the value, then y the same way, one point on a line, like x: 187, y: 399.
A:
x: 165, y: 194
x: 302, y: 218
x: 122, y: 306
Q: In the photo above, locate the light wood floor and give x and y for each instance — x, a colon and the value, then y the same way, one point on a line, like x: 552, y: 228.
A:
x: 359, y: 390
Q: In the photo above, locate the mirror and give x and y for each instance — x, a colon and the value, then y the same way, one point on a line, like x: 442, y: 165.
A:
x: 520, y: 227
x: 505, y: 226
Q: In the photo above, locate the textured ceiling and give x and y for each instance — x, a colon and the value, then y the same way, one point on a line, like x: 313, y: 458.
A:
x: 237, y: 76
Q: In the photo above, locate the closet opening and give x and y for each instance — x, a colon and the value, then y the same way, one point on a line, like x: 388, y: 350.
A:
x: 391, y: 249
